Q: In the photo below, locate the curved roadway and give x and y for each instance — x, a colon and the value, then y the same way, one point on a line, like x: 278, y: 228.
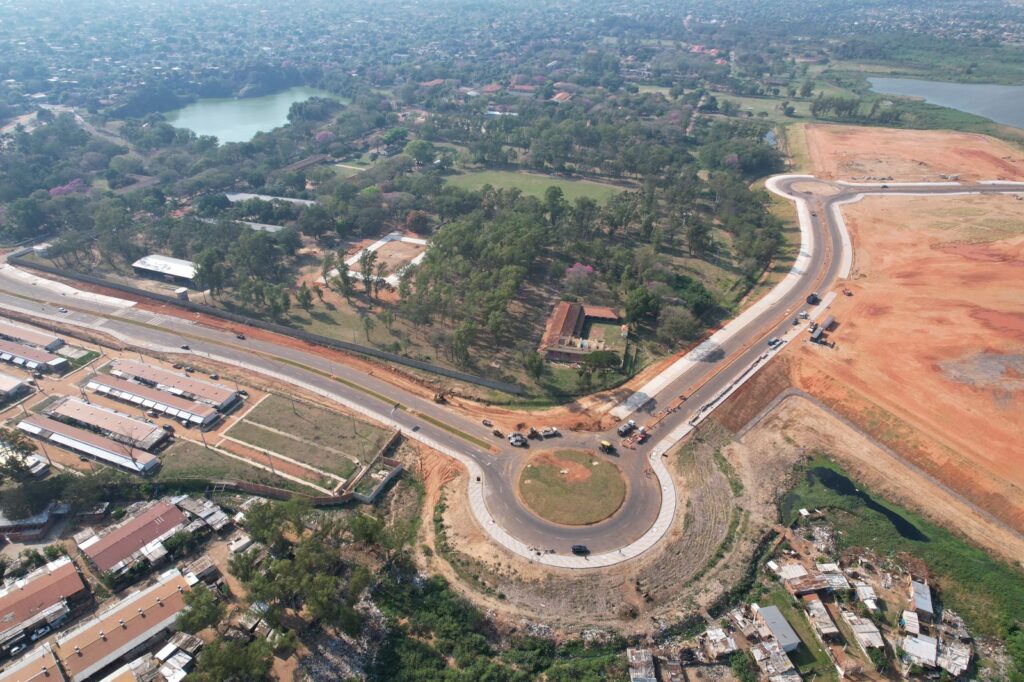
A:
x: 705, y: 376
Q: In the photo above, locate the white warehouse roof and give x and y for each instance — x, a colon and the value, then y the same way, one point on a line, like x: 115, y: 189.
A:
x: 166, y: 265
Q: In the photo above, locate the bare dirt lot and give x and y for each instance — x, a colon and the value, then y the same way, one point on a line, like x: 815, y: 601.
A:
x: 857, y: 153
x: 397, y: 254
x: 930, y: 347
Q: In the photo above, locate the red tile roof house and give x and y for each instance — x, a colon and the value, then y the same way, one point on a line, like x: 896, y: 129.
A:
x: 566, y: 324
x: 137, y: 538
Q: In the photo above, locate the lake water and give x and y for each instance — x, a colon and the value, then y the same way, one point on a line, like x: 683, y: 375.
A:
x: 1001, y: 103
x: 238, y: 120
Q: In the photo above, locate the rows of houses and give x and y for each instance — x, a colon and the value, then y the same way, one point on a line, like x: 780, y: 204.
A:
x: 47, y: 611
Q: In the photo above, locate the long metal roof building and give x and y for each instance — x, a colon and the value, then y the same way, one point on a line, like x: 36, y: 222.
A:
x: 217, y: 395
x: 29, y: 335
x: 30, y: 357
x: 153, y: 399
x: 89, y: 444
x: 114, y: 424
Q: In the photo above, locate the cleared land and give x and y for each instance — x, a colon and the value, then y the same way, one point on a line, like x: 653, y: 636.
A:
x: 536, y: 184
x: 934, y: 336
x: 571, y: 487
x: 854, y: 153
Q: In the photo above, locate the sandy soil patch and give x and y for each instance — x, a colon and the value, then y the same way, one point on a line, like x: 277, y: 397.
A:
x: 859, y: 153
x: 397, y: 254
x: 934, y: 335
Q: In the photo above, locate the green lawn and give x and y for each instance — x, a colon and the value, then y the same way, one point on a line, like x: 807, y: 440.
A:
x: 318, y: 457
x: 985, y: 591
x: 188, y: 460
x: 536, y: 184
x: 590, y: 490
x: 319, y: 426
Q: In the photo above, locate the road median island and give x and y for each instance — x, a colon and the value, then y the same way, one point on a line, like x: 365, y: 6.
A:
x: 571, y: 487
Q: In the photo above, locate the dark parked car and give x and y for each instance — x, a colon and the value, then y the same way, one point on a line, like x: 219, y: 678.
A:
x: 580, y: 550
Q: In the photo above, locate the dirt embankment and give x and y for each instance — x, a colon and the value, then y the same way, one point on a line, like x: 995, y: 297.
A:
x: 857, y: 153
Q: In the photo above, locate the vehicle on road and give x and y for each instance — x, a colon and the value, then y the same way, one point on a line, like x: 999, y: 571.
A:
x: 215, y: 376
x: 885, y: 186
x: 549, y: 432
x: 517, y: 440
x: 62, y: 310
x: 814, y: 213
x: 627, y: 428
x: 803, y: 315
x: 177, y: 365
x: 773, y: 343
x: 184, y: 346
x: 643, y: 437
x: 606, y: 447
x: 498, y: 433
x: 796, y: 321
x: 488, y: 423
x: 189, y: 369
x: 240, y: 336
x: 580, y: 550
x: 533, y: 434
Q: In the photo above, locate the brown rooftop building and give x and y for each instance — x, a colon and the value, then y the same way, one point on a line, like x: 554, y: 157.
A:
x: 220, y: 397
x: 46, y: 596
x: 136, y: 538
x: 30, y: 335
x: 30, y: 357
x: 123, y: 629
x: 113, y: 424
x: 38, y: 665
x: 89, y: 444
x: 565, y: 327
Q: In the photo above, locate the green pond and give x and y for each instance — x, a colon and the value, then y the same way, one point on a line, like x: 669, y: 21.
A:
x: 238, y: 120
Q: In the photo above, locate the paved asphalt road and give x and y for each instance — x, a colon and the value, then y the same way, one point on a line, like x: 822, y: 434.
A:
x: 166, y: 332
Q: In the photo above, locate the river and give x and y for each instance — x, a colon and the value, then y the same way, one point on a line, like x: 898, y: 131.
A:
x: 238, y: 120
x: 1000, y: 103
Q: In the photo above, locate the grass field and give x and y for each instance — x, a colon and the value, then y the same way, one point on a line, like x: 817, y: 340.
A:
x: 986, y: 592
x: 331, y: 461
x: 535, y: 184
x: 317, y: 425
x: 589, y: 490
x: 186, y: 459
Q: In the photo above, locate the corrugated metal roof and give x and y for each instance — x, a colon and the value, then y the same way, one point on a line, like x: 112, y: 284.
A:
x: 166, y: 265
x: 780, y: 627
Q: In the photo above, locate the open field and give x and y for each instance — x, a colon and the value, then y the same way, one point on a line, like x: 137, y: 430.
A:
x: 571, y: 487
x: 855, y: 153
x: 317, y: 426
x: 934, y: 335
x: 186, y: 459
x: 329, y: 460
x: 535, y: 184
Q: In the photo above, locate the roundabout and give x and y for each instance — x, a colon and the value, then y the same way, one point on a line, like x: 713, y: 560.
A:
x: 571, y: 487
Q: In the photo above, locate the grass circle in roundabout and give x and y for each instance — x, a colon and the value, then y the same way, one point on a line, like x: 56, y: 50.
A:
x: 571, y: 487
